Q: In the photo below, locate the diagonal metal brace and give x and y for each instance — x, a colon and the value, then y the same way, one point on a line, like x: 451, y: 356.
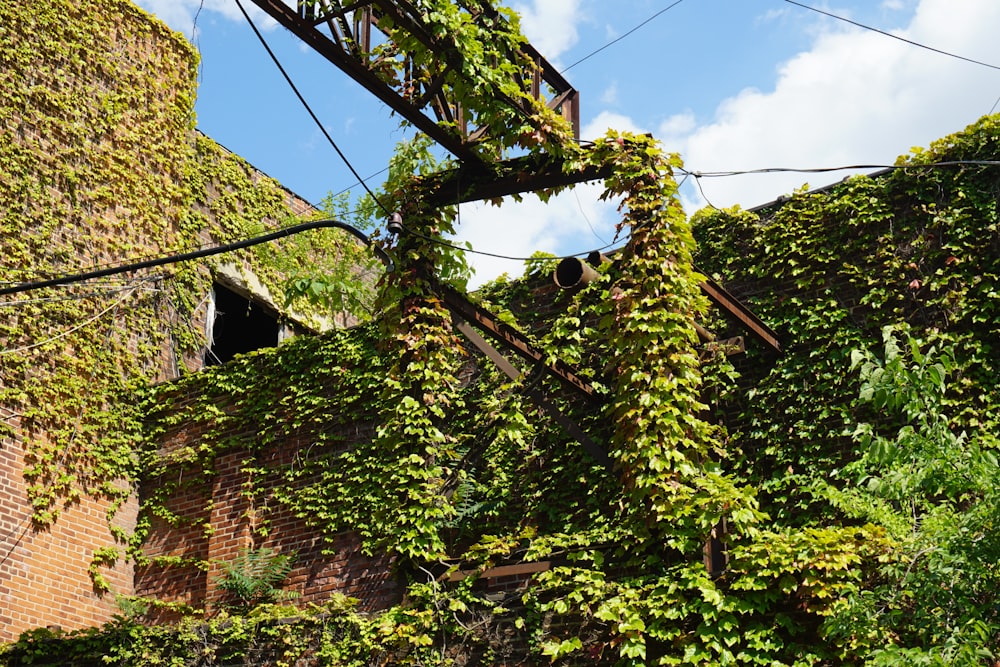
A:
x: 595, y: 450
x: 510, y: 337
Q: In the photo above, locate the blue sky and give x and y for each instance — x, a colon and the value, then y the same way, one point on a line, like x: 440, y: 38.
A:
x: 729, y: 84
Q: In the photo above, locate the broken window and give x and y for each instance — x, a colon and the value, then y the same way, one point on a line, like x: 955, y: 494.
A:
x: 237, y: 325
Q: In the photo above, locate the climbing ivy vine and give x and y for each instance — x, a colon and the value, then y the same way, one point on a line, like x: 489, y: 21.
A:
x: 461, y: 470
x: 100, y: 165
x: 914, y: 248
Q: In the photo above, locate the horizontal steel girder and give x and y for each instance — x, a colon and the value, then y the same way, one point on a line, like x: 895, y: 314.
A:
x: 348, y: 34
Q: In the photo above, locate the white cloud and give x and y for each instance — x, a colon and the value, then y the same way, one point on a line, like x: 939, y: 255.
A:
x: 774, y: 14
x: 855, y: 97
x: 674, y: 129
x: 550, y: 25
x: 609, y: 120
x: 610, y: 95
x: 181, y: 15
x: 575, y: 221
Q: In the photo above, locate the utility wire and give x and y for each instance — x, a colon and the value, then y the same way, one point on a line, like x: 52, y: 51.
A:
x: 698, y: 175
x: 621, y: 37
x: 308, y: 108
x: 994, y: 107
x: 93, y: 294
x: 139, y: 258
x: 25, y: 525
x: 853, y: 167
x: 889, y: 34
x: 110, y: 270
x: 453, y: 246
x: 361, y: 183
x: 74, y: 329
x: 198, y: 254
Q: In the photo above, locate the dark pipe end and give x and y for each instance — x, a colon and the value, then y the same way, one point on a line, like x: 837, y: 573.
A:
x: 569, y: 273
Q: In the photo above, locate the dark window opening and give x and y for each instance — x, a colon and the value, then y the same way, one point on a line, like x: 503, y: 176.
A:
x: 240, y: 325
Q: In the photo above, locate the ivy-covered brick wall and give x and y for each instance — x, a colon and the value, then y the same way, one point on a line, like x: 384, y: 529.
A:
x: 859, y: 490
x: 236, y: 451
x: 95, y: 118
x: 915, y: 248
x: 100, y: 164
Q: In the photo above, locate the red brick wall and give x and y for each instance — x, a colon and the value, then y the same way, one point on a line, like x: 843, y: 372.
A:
x: 230, y: 512
x: 44, y: 578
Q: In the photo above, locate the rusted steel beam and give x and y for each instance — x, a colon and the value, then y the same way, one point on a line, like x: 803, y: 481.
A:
x: 501, y: 571
x: 359, y: 71
x: 565, y: 97
x: 350, y: 50
x: 511, y: 338
x: 733, y: 307
x: 595, y: 450
x: 531, y: 173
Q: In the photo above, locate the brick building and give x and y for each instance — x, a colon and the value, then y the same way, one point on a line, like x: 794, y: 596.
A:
x: 100, y: 164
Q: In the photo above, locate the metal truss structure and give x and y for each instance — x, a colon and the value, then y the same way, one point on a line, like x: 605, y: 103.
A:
x: 352, y: 35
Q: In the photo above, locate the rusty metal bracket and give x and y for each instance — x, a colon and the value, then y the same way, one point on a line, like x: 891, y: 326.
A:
x: 595, y: 450
x: 511, y: 338
x: 735, y: 309
x: 727, y: 346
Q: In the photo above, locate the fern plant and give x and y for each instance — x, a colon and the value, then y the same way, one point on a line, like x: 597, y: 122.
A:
x: 255, y: 576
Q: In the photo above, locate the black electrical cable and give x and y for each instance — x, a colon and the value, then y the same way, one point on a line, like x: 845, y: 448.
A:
x: 308, y: 108
x: 889, y: 34
x: 38, y: 272
x: 496, y: 256
x: 621, y: 37
x: 198, y: 254
x: 853, y: 167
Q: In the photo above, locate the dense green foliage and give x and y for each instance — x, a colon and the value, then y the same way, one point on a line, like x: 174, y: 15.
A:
x: 255, y: 577
x: 83, y: 105
x: 910, y: 453
x: 451, y: 463
x: 76, y: 115
x: 856, y: 480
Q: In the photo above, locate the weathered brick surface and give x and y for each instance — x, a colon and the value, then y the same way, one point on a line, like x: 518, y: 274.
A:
x: 233, y: 511
x: 44, y: 578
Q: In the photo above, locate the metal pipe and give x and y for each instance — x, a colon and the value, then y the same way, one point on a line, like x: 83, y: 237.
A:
x: 573, y: 272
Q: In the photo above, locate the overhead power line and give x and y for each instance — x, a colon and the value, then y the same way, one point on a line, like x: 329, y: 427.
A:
x: 471, y: 251
x: 621, y: 37
x: 77, y: 327
x: 889, y: 34
x: 198, y: 254
x: 852, y: 167
x: 308, y: 108
x: 994, y: 107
